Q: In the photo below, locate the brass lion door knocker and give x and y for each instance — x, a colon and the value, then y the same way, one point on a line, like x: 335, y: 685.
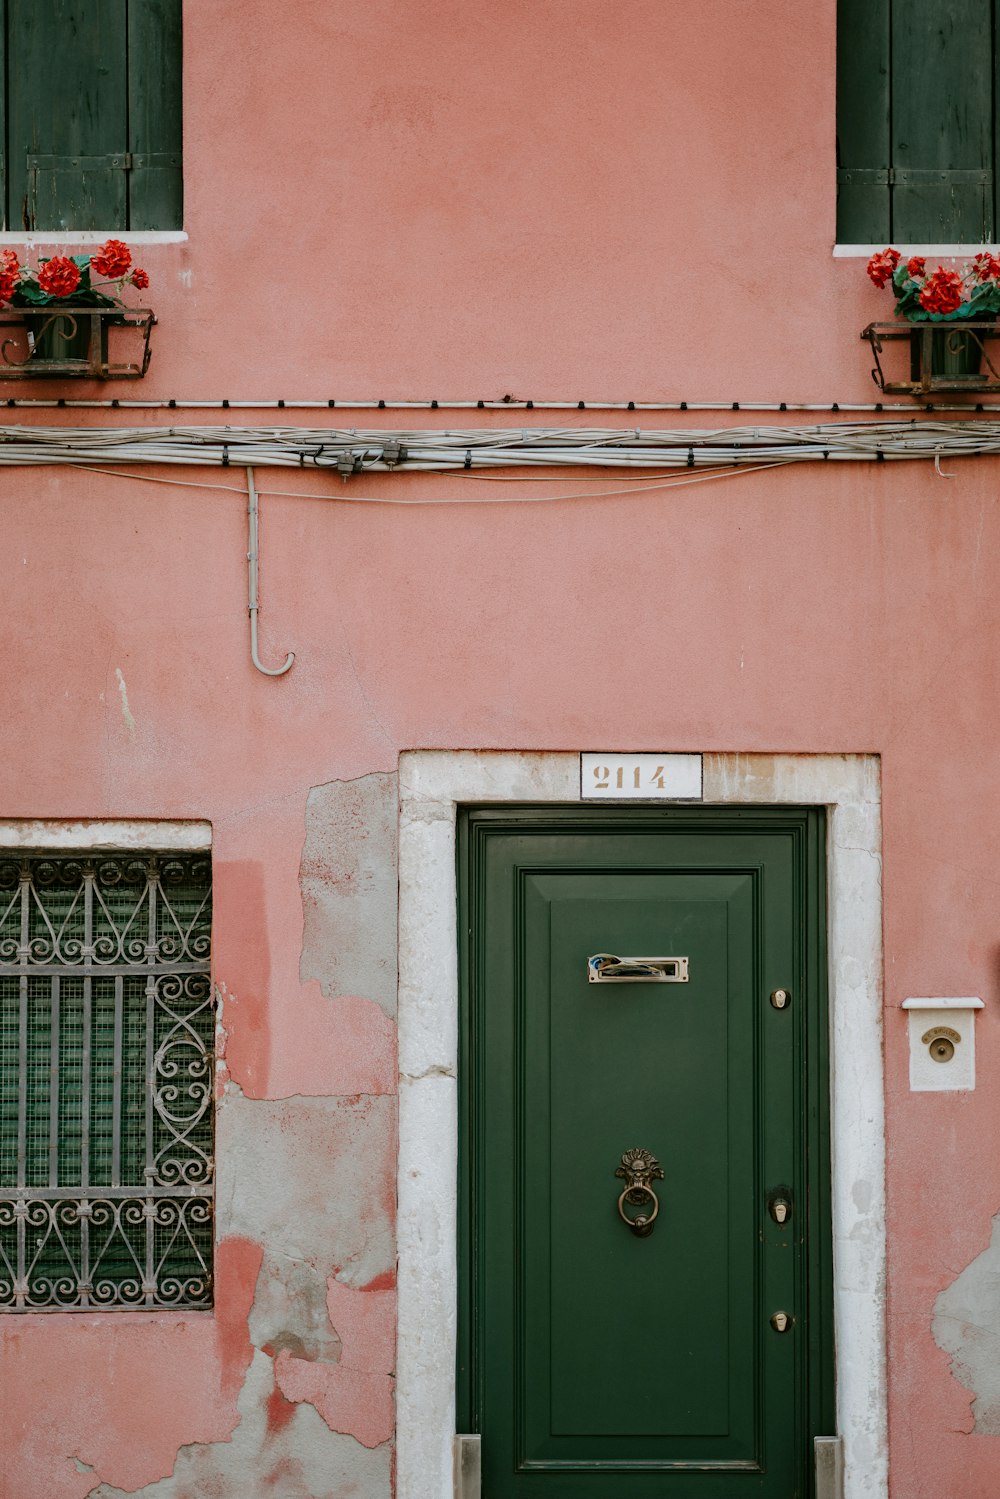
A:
x: 639, y: 1168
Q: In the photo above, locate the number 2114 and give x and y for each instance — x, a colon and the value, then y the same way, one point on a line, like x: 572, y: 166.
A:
x: 603, y: 778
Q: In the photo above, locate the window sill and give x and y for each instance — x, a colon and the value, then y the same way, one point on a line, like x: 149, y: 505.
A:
x: 113, y: 1316
x: 857, y: 252
x: 95, y: 237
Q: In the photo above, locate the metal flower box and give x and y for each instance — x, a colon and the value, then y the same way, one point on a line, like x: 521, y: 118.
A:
x: 84, y: 343
x: 944, y: 357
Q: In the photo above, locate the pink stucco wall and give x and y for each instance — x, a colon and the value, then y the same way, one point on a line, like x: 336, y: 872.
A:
x: 462, y: 200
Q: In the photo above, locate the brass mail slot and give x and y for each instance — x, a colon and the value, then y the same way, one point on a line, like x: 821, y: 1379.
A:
x: 607, y: 968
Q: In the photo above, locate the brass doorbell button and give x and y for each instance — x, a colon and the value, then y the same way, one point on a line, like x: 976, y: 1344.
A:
x: 941, y: 1041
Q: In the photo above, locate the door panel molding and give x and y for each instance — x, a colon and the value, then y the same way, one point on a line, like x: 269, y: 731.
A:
x: 433, y: 784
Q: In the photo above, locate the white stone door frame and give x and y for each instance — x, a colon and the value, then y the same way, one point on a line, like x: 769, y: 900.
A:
x: 433, y: 784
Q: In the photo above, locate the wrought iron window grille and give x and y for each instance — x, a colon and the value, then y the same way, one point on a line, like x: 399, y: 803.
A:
x: 944, y: 357
x: 86, y: 343
x: 106, y: 1082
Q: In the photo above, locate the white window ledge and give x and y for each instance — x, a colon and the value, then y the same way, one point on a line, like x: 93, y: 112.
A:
x: 47, y: 237
x: 101, y: 834
x: 957, y: 252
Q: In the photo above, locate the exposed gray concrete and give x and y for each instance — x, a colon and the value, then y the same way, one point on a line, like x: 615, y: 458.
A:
x: 289, y: 1311
x: 311, y: 1180
x: 348, y: 881
x: 967, y: 1325
x: 302, y: 1460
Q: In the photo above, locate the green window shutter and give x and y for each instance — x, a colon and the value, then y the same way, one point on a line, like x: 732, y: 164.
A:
x: 915, y: 121
x: 93, y: 111
x: 4, y: 177
x: 863, y: 132
x: 154, y: 100
x: 67, y: 118
x: 942, y: 121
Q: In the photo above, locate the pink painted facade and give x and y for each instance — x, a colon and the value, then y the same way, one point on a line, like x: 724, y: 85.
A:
x: 394, y: 201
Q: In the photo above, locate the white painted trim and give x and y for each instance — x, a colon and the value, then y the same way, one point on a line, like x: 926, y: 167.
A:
x: 432, y: 785
x: 948, y: 252
x: 942, y: 1004
x: 43, y: 238
x: 101, y: 835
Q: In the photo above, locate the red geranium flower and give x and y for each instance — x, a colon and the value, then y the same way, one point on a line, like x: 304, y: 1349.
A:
x: 882, y: 265
x: 10, y: 274
x: 916, y: 266
x: 139, y: 278
x: 112, y: 259
x: 941, y: 292
x: 59, y: 276
x: 986, y: 267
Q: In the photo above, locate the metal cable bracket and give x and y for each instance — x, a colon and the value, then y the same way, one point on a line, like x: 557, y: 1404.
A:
x: 253, y: 557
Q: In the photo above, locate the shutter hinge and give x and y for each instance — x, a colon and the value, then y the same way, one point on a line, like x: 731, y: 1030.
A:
x: 915, y: 176
x: 123, y: 161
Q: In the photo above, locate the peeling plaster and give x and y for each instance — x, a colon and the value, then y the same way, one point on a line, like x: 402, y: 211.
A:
x: 312, y: 1179
x: 308, y: 1174
x: 966, y: 1325
x: 145, y: 1383
x: 302, y: 1460
x: 348, y: 881
x: 356, y: 1397
x: 289, y: 1311
x: 340, y: 1046
x: 349, y: 1401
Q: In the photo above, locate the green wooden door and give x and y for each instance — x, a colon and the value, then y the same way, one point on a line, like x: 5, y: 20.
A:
x: 597, y: 1363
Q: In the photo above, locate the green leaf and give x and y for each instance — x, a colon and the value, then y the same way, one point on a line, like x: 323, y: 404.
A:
x: 30, y: 294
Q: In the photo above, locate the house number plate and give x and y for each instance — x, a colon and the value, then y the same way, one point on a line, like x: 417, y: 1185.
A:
x: 640, y: 778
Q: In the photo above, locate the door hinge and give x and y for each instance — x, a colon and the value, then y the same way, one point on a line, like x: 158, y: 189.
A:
x: 829, y: 1467
x: 468, y: 1466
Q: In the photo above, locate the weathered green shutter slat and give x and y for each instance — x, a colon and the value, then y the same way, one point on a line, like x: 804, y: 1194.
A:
x: 67, y: 98
x: 863, y: 136
x: 154, y: 72
x: 3, y: 114
x: 942, y: 121
x: 995, y: 56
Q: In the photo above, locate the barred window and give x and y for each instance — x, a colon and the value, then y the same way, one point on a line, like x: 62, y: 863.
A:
x: 106, y: 1081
